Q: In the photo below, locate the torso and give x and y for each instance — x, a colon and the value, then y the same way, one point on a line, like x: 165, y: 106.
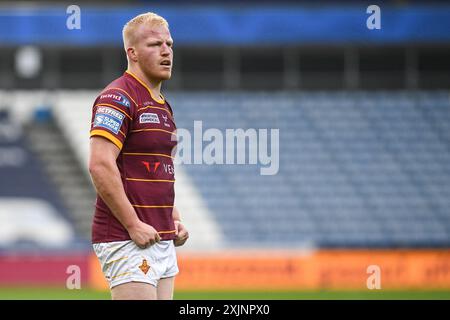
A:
x: 145, y: 161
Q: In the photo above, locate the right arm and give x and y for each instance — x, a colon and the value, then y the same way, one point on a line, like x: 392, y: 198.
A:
x: 107, y: 181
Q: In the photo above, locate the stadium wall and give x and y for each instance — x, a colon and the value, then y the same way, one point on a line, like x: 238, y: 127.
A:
x: 321, y: 270
x: 279, y: 270
x: 253, y: 270
x: 42, y: 269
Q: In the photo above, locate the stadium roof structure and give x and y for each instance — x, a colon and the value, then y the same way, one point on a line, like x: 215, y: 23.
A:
x: 218, y: 24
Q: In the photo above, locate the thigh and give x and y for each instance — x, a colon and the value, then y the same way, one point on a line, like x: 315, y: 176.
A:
x: 165, y: 288
x: 134, y: 291
x: 171, y: 260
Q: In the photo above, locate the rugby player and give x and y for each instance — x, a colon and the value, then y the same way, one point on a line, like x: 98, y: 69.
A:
x: 136, y: 226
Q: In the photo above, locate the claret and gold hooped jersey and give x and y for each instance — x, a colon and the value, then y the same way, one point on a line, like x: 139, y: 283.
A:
x: 142, y: 127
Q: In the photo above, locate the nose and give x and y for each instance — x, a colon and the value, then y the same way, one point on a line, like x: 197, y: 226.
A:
x: 165, y: 50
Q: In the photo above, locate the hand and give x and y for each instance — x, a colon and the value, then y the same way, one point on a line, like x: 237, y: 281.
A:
x: 181, y: 233
x: 143, y: 235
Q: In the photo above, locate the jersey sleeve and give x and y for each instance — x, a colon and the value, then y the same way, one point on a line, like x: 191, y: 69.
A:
x: 111, y: 116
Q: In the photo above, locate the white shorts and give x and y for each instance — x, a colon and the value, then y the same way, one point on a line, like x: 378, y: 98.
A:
x: 124, y: 261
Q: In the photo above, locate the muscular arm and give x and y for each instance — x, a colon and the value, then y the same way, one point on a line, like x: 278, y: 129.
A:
x: 176, y: 214
x: 181, y: 231
x: 107, y: 181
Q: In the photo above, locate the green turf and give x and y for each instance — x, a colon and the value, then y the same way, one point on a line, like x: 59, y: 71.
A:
x: 51, y: 294
x: 85, y: 294
x: 316, y: 295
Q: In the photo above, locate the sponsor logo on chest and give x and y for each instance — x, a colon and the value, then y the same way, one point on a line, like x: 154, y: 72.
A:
x: 149, y: 118
x: 153, y: 167
x: 165, y: 120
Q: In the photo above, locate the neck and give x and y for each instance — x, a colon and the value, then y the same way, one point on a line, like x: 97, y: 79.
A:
x: 154, y: 86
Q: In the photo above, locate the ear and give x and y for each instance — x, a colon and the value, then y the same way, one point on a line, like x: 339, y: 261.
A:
x: 131, y: 53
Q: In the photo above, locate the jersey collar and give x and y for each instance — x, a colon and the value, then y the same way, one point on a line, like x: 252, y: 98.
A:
x: 160, y: 100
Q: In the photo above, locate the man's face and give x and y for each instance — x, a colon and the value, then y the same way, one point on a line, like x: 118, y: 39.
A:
x: 154, y: 51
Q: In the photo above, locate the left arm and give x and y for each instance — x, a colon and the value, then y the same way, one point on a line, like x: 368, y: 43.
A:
x: 181, y: 232
x: 176, y: 214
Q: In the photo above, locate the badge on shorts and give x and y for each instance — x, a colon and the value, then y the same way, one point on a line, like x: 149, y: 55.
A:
x: 144, y: 266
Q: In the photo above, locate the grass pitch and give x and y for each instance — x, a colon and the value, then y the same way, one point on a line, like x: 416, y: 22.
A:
x: 87, y: 294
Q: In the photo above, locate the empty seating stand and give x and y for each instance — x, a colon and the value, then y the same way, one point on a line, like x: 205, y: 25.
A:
x: 360, y: 169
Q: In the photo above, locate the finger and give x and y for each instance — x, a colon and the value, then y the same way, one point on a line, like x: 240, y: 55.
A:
x: 183, y: 234
x: 142, y: 246
x: 158, y: 238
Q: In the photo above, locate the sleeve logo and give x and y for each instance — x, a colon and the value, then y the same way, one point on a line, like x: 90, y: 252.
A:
x: 123, y: 101
x: 118, y: 98
x: 108, y: 118
x: 149, y: 118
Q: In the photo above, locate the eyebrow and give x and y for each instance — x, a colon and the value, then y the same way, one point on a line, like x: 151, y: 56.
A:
x: 159, y: 40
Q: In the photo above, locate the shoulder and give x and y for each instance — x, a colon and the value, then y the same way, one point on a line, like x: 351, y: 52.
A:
x: 169, y: 107
x: 119, y: 92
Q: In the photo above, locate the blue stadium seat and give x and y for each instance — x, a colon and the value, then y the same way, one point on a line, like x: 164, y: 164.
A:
x: 357, y: 169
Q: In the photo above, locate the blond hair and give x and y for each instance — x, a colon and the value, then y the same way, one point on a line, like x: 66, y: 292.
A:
x: 129, y: 29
